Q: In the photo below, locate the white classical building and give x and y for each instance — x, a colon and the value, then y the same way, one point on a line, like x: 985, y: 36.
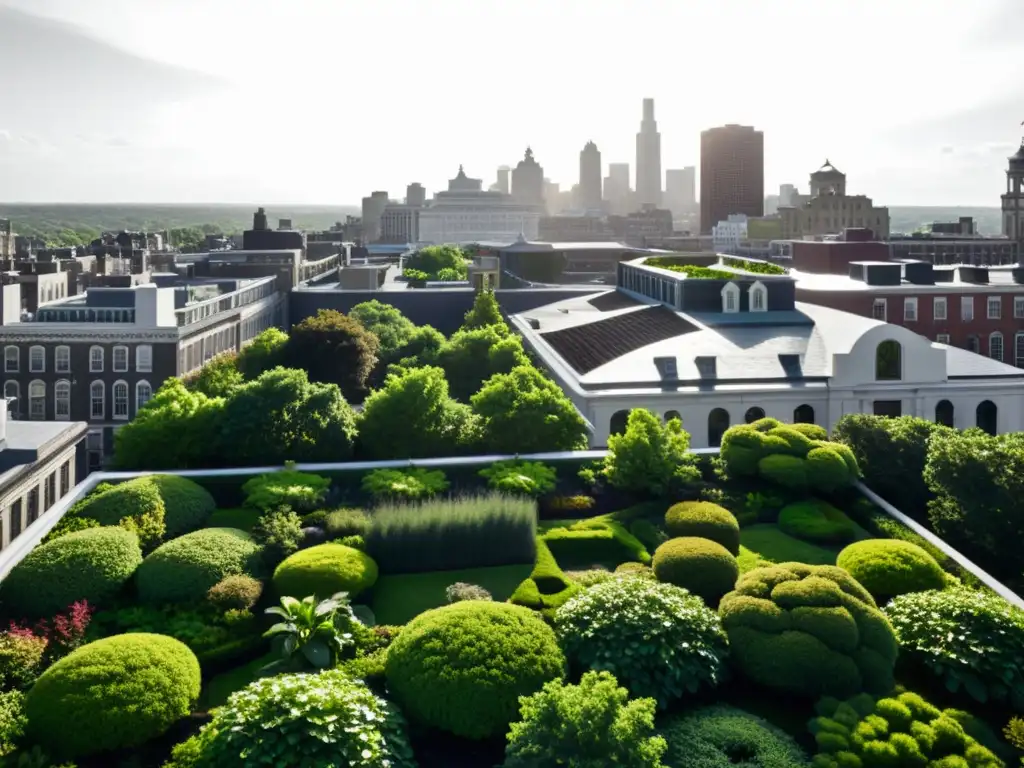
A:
x: 727, y: 236
x: 725, y: 351
x: 467, y: 214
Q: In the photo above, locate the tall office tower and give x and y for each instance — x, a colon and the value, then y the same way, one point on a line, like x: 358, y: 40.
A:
x: 503, y: 179
x: 415, y: 194
x: 681, y: 189
x: 590, y: 178
x: 731, y: 174
x: 373, y: 210
x: 648, y: 159
x: 788, y: 194
x: 617, y: 190
x: 528, y: 180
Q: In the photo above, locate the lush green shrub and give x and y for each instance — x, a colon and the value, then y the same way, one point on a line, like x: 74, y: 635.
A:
x: 901, y: 731
x: 242, y: 518
x: 590, y: 576
x: 461, y: 590
x: 135, y: 505
x: 115, y: 693
x: 463, y: 667
x: 889, y: 567
x: 413, y: 484
x: 355, y: 542
x: 635, y: 569
x: 21, y: 658
x: 12, y: 720
x: 324, y: 570
x: 809, y: 630
x: 648, y: 534
x: 650, y: 458
x: 324, y: 719
x: 810, y: 431
x: 547, y: 588
x: 187, y: 505
x: 448, y: 534
x: 597, y: 540
x: 237, y: 591
x: 722, y: 736
x: 279, y: 532
x: 302, y: 491
x: 702, y: 566
x: 520, y: 478
x: 814, y: 520
x: 346, y: 522
x: 590, y: 725
x: 570, y: 503
x: 657, y: 639
x: 88, y: 565
x: 973, y: 640
x: 706, y: 520
x: 69, y: 524
x: 184, y: 569
x: 785, y: 470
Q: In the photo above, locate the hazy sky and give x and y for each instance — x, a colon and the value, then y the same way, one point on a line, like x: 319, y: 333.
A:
x: 323, y: 101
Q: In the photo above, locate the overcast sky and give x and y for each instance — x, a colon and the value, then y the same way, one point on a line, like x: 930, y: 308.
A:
x: 323, y: 101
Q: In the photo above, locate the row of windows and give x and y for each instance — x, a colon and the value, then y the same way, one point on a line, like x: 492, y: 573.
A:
x: 62, y: 359
x: 37, y: 399
x: 940, y: 309
x: 718, y: 420
x: 996, y: 346
x: 190, y: 315
x: 23, y: 512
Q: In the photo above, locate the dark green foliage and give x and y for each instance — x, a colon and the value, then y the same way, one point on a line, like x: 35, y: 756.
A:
x: 12, y: 720
x: 463, y: 667
x: 650, y: 458
x: 187, y: 505
x: 973, y: 640
x: 889, y: 567
x: 817, y: 521
x: 312, y: 634
x: 324, y: 719
x: 136, y: 505
x: 520, y: 478
x: 590, y: 725
x: 785, y: 470
x: 263, y: 353
x: 242, y: 518
x: 701, y: 566
x: 472, y: 356
x: 239, y: 592
x: 413, y: 484
x: 92, y: 565
x: 722, y: 737
x: 433, y: 258
x: 420, y: 349
x: 448, y: 534
x: 324, y: 570
x: 647, y: 533
x: 115, y: 693
x: 524, y: 411
x: 302, y: 491
x: 279, y: 533
x: 184, y: 569
x: 219, y: 377
x: 808, y: 630
x: 547, y: 588
x: 657, y: 639
x: 392, y: 329
x: 595, y: 540
x: 706, y: 520
x: 904, y: 730
x: 334, y: 349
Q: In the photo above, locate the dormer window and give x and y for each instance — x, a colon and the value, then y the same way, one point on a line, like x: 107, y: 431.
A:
x: 758, y: 297
x: 731, y: 298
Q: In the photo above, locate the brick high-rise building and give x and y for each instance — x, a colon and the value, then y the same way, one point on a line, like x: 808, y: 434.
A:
x: 731, y: 174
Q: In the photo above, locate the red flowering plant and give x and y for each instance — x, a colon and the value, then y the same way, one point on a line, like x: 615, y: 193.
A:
x: 54, y: 638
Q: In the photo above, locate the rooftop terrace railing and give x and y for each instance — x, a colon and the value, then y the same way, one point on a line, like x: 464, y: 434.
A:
x: 30, y: 537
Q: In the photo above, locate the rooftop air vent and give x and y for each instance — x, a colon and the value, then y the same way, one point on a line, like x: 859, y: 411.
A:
x: 973, y: 275
x: 791, y: 366
x: 667, y: 368
x: 918, y: 272
x: 706, y: 366
x: 534, y: 323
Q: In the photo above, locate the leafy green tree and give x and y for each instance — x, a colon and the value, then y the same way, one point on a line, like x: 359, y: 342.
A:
x: 392, y: 329
x: 187, y: 239
x: 177, y: 429
x: 218, y: 378
x: 590, y: 725
x: 470, y: 357
x: 412, y: 416
x: 421, y: 348
x: 434, y: 258
x: 282, y: 416
x: 650, y: 458
x: 264, y: 352
x: 523, y: 411
x: 334, y: 349
x: 485, y: 312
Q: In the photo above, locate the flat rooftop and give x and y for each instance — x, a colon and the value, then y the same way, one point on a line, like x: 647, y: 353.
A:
x: 1000, y: 279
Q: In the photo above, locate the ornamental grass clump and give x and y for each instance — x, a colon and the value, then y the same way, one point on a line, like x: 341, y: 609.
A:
x: 657, y: 639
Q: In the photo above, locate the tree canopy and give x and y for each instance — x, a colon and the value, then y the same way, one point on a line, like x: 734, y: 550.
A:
x: 264, y: 352
x: 435, y: 258
x: 470, y: 357
x: 334, y: 349
x: 392, y: 329
x: 485, y: 312
x: 218, y: 378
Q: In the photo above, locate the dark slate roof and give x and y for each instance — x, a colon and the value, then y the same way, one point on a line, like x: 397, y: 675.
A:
x: 612, y: 300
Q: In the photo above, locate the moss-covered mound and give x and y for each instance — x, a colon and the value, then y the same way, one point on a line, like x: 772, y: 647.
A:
x: 323, y: 570
x: 704, y: 520
x: 809, y: 630
x: 548, y: 587
x: 816, y: 521
x: 134, y: 504
x: 596, y: 540
x: 890, y: 567
x: 704, y: 567
x: 723, y: 737
x: 187, y: 505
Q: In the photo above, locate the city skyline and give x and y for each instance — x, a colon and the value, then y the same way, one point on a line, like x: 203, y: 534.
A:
x: 184, y: 131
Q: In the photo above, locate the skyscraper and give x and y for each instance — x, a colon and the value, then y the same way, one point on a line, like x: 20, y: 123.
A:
x: 528, y: 180
x: 731, y: 174
x: 681, y: 189
x: 590, y: 177
x: 617, y: 190
x: 648, y: 159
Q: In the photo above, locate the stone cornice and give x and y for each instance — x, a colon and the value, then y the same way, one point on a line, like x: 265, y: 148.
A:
x: 52, y: 333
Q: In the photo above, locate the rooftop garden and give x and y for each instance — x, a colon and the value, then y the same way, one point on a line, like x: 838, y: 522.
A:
x: 756, y: 267
x: 700, y: 272
x: 655, y: 608
x: 436, y: 263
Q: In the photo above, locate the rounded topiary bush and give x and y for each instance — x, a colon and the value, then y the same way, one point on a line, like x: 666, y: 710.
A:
x: 722, y: 737
x: 705, y: 520
x: 788, y: 471
x: 132, y: 498
x: 810, y: 630
x: 814, y: 520
x: 323, y: 570
x: 92, y: 565
x: 115, y: 693
x: 463, y: 667
x: 327, y: 718
x: 238, y: 591
x: 184, y: 569
x: 187, y: 505
x: 890, y: 567
x: 702, y: 566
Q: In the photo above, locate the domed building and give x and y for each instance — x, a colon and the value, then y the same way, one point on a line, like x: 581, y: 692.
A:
x: 1013, y: 200
x: 829, y: 210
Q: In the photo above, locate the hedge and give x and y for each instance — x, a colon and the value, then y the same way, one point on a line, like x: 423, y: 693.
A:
x: 115, y: 693
x: 463, y: 667
x: 135, y: 504
x: 184, y: 569
x: 547, y: 588
x: 702, y: 566
x: 704, y: 520
x: 92, y: 565
x: 593, y: 541
x: 187, y: 505
x: 890, y: 567
x: 816, y: 521
x: 324, y: 570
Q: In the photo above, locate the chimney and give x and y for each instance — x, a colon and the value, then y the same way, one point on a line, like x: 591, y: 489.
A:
x: 259, y: 220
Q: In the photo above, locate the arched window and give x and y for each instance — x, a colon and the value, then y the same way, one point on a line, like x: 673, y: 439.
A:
x: 97, y: 400
x: 718, y: 422
x: 804, y: 414
x: 987, y: 417
x: 62, y: 400
x: 731, y: 298
x: 889, y: 361
x: 95, y: 359
x: 12, y: 392
x: 12, y: 356
x: 143, y: 394
x: 36, y: 359
x: 120, y: 400
x: 944, y: 413
x: 995, y: 346
x: 758, y: 295
x: 62, y: 359
x: 618, y: 424
x: 37, y: 400
x: 753, y: 414
x: 669, y: 415
x: 120, y: 361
